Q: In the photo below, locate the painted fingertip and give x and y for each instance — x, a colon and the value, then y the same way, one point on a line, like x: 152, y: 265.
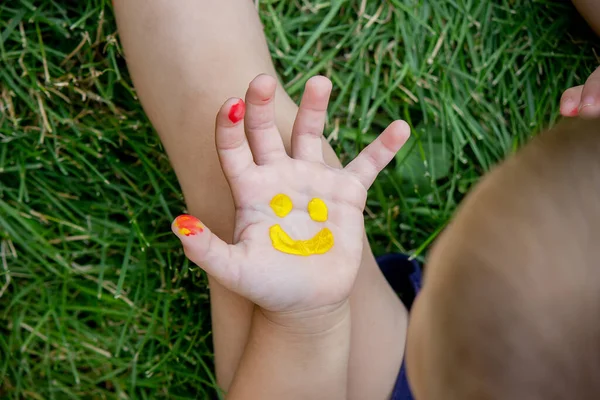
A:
x: 187, y: 225
x: 237, y: 111
x: 571, y: 111
x: 569, y: 108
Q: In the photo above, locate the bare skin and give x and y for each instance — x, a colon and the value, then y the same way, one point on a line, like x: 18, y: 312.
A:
x: 300, y: 339
x: 584, y: 100
x: 590, y: 10
x: 185, y: 61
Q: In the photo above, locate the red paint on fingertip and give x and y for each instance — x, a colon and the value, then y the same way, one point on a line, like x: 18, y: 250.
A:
x: 188, y: 225
x: 237, y: 111
x: 573, y: 113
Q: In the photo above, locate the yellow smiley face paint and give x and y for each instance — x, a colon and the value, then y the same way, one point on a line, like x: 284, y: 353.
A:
x: 317, y: 210
x: 281, y: 205
x: 321, y: 243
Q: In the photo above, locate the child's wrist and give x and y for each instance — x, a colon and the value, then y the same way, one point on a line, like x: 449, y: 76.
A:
x: 317, y: 321
x: 306, y: 346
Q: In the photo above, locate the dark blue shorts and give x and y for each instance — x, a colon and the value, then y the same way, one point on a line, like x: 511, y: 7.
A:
x: 404, y: 276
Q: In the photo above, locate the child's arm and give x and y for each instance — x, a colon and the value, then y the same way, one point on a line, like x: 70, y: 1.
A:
x: 298, y: 242
x: 300, y: 359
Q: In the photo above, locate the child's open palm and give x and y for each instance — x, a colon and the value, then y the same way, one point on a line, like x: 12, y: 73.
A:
x: 299, y: 223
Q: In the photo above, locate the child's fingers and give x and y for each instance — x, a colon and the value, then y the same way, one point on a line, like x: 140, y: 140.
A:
x: 590, y: 96
x: 379, y: 153
x: 263, y: 135
x: 232, y: 146
x: 307, y: 134
x: 569, y: 101
x: 206, y: 250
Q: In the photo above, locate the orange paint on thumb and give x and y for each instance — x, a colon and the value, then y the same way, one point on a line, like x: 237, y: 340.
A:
x: 188, y: 225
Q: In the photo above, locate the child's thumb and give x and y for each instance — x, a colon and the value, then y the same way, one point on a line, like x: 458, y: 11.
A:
x: 207, y: 250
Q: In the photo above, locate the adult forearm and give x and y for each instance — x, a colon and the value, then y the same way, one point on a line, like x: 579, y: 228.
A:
x: 307, y: 359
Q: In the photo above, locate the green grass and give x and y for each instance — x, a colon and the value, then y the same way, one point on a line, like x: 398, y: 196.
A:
x: 97, y: 298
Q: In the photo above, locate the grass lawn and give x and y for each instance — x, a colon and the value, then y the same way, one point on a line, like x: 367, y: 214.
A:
x: 96, y: 298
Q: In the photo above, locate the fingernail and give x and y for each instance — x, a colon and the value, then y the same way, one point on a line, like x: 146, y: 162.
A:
x: 587, y: 102
x: 237, y: 111
x: 187, y: 225
x: 569, y: 107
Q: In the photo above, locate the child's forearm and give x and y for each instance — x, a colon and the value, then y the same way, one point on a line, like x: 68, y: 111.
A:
x: 299, y: 358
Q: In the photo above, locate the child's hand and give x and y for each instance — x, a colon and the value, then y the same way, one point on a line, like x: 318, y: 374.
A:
x: 583, y: 100
x: 297, y: 204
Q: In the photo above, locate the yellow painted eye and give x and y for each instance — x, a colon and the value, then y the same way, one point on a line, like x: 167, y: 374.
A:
x: 281, y: 205
x: 317, y: 210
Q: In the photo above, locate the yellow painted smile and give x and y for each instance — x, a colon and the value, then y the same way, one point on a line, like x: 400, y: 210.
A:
x: 321, y: 243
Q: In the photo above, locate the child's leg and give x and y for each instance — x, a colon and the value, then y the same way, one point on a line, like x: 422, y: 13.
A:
x: 186, y: 58
x: 590, y: 9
